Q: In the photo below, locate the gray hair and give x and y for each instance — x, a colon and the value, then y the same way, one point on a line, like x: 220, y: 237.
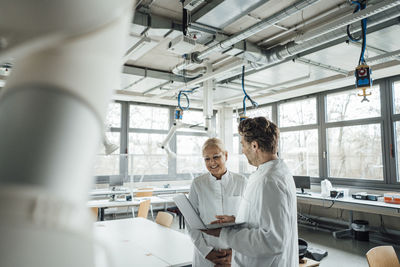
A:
x: 214, y: 142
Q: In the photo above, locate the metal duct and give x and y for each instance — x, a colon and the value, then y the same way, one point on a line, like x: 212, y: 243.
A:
x: 346, y: 20
x: 301, y: 25
x: 280, y: 53
x: 189, y: 73
x: 262, y: 25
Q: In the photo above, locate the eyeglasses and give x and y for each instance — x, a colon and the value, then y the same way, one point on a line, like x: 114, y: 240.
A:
x: 215, y: 158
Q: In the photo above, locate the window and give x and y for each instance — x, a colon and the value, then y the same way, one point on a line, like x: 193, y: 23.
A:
x: 299, y: 149
x: 300, y: 112
x: 347, y: 105
x: 355, y: 152
x: 352, y: 149
x: 396, y: 97
x: 147, y: 117
x: 108, y: 164
x: 260, y: 112
x: 113, y: 116
x: 189, y: 154
x: 192, y: 117
x: 396, y: 119
x: 234, y: 157
x: 147, y: 156
x: 149, y: 127
x: 298, y: 143
x: 397, y: 140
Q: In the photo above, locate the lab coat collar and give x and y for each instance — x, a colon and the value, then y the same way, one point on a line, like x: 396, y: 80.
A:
x: 224, y: 179
x: 267, y: 165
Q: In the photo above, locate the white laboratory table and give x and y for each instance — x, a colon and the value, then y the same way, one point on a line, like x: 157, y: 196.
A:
x: 105, y: 203
x: 155, y: 190
x: 350, y: 204
x: 140, y: 242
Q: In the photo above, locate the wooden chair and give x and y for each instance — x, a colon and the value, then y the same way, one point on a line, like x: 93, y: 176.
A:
x: 95, y: 212
x: 144, y: 209
x: 146, y: 193
x: 164, y: 218
x: 382, y: 256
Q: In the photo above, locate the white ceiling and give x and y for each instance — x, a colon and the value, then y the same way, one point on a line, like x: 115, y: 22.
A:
x: 151, y: 64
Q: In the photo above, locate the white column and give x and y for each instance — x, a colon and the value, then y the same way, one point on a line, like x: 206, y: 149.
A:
x: 225, y: 116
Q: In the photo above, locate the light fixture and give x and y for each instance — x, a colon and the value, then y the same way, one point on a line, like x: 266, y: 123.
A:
x: 108, y: 146
x: 144, y: 45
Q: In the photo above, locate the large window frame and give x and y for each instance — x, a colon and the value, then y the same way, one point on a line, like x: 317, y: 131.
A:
x: 386, y: 120
x: 125, y: 161
x: 304, y: 127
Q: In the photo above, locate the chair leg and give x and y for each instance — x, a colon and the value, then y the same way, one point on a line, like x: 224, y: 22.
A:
x: 151, y: 211
x: 133, y: 212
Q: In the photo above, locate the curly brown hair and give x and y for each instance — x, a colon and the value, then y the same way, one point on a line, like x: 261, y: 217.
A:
x: 261, y: 130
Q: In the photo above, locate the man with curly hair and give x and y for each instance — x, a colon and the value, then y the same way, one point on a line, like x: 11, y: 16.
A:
x: 268, y: 207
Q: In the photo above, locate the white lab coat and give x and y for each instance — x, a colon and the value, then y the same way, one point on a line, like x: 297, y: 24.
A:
x: 211, y: 197
x: 269, y: 209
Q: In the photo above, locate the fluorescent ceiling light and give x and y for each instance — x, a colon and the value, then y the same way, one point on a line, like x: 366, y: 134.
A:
x: 143, y: 46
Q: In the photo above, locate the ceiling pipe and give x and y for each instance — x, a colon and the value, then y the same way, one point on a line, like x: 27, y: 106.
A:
x: 262, y: 25
x: 198, y: 57
x: 190, y: 73
x: 303, y: 24
x: 346, y: 20
x: 280, y: 53
x: 269, y: 88
x: 385, y: 57
x: 321, y: 65
x: 233, y: 65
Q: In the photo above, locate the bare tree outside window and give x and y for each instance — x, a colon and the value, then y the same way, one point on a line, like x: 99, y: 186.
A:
x: 396, y: 96
x: 146, y: 117
x: 108, y: 164
x: 189, y: 154
x: 148, y: 157
x: 301, y: 112
x: 113, y: 116
x: 192, y: 117
x: 347, y: 105
x: 355, y: 152
x: 299, y: 149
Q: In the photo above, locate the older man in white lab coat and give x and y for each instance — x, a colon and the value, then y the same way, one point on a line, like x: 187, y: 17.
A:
x: 268, y: 206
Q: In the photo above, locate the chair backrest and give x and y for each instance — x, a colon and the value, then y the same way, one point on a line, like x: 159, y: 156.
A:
x: 164, y: 218
x: 143, y: 210
x: 382, y: 256
x: 95, y: 212
x: 146, y: 193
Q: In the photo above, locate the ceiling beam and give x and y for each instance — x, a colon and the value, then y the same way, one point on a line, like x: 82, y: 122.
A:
x: 197, y: 14
x: 157, y: 74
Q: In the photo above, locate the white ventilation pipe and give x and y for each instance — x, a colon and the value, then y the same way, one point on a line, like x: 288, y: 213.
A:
x: 280, y: 53
x: 303, y: 24
x: 180, y: 71
x: 346, y: 20
x: 262, y: 25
